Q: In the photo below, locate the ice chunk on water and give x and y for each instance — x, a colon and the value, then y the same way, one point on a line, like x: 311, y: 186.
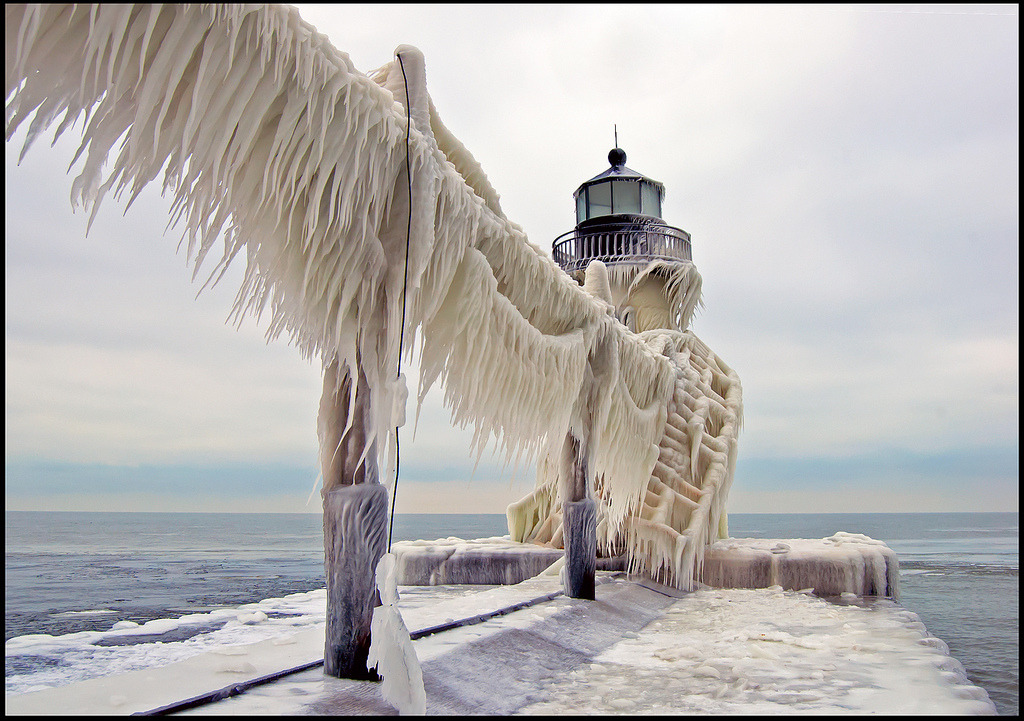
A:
x: 254, y: 617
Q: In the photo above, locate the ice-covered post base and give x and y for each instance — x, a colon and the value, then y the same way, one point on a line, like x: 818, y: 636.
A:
x: 355, y: 539
x: 579, y: 525
x: 355, y: 524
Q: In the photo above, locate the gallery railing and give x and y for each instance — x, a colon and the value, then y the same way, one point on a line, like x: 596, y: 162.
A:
x: 622, y: 241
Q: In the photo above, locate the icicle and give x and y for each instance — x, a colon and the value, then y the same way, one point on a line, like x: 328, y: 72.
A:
x: 391, y: 650
x: 400, y: 393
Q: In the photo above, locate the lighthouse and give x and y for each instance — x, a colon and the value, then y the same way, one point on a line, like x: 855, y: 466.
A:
x: 623, y: 250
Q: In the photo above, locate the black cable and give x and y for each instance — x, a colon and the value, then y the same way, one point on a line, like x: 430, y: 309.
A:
x: 405, y: 285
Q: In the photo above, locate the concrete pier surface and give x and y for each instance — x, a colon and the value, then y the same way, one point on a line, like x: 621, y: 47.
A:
x: 639, y: 648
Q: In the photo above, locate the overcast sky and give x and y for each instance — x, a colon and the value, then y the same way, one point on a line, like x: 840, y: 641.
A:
x: 849, y: 176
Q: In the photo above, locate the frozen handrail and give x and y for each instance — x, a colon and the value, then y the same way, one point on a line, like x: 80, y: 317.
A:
x: 620, y: 242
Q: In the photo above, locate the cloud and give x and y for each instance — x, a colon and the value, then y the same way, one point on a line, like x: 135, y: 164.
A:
x: 849, y: 175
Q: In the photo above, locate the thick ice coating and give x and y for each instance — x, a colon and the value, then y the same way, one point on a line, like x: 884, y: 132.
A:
x: 391, y: 650
x: 682, y: 501
x: 274, y: 147
x: 840, y: 565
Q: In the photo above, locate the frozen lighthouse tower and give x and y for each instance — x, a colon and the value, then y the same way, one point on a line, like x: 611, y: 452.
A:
x: 623, y: 253
x: 619, y: 224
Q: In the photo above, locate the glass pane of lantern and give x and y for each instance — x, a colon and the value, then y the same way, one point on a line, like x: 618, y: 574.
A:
x: 626, y: 197
x: 600, y: 199
x: 581, y: 206
x: 651, y: 202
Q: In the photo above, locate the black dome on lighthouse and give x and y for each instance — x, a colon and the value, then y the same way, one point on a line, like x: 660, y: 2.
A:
x: 618, y: 191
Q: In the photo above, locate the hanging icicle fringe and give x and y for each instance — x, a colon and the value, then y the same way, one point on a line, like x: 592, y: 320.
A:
x: 681, y: 505
x: 274, y: 148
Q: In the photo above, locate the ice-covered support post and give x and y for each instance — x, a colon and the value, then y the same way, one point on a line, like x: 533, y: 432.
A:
x: 355, y: 524
x: 579, y: 525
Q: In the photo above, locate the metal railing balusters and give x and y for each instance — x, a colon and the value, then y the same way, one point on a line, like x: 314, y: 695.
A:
x: 620, y: 241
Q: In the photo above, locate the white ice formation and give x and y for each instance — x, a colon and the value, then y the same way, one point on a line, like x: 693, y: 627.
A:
x: 843, y: 564
x: 682, y: 501
x: 391, y: 651
x: 274, y: 147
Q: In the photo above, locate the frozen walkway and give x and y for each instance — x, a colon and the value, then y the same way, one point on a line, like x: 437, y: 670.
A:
x: 635, y: 650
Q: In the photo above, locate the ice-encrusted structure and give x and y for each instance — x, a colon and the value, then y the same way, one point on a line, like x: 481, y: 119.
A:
x: 681, y: 506
x: 275, y: 148
x: 842, y: 564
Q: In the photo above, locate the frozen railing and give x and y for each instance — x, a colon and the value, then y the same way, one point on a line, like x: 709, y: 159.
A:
x: 633, y: 242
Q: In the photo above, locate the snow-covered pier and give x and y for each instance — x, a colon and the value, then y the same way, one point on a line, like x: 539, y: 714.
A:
x: 638, y: 648
x: 365, y: 224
